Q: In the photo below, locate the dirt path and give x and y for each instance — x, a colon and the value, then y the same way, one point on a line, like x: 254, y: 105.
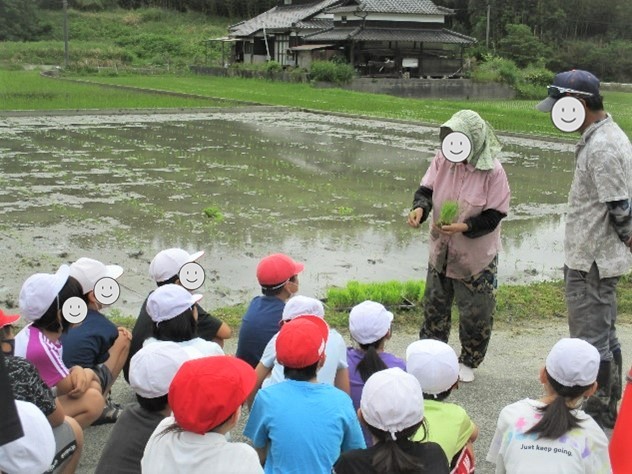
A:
x: 509, y: 373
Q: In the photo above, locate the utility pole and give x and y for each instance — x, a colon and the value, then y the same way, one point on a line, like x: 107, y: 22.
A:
x: 487, y: 31
x: 65, y: 3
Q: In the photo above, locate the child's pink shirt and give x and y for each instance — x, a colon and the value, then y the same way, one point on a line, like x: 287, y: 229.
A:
x: 44, y: 354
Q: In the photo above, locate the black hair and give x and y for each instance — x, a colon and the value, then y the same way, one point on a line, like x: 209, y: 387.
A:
x: 153, y: 404
x: 170, y: 281
x: 52, y: 320
x: 176, y: 428
x: 389, y: 456
x: 181, y: 328
x: 594, y: 103
x: 371, y: 362
x: 276, y: 289
x: 439, y: 396
x: 557, y: 418
x: 302, y: 375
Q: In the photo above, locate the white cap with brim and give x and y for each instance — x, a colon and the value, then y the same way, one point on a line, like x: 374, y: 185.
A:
x: 369, y: 322
x: 33, y: 452
x: 167, y: 263
x: 573, y: 362
x: 39, y: 292
x: 153, y: 367
x: 88, y: 272
x: 434, y: 364
x: 392, y: 401
x: 300, y: 305
x: 169, y: 301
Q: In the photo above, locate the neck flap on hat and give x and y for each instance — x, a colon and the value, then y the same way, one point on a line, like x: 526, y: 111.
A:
x: 485, y: 144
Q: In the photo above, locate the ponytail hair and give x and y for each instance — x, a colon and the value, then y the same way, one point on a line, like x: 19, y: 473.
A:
x: 371, y: 362
x: 388, y: 455
x: 557, y: 418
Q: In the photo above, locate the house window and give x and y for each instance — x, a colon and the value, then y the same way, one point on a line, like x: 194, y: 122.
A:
x: 343, y: 19
x: 248, y: 48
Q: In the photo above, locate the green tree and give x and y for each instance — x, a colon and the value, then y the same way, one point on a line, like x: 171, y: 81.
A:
x: 521, y: 46
x: 19, y: 21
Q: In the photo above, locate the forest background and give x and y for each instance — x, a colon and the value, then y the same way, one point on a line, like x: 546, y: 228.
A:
x: 551, y: 34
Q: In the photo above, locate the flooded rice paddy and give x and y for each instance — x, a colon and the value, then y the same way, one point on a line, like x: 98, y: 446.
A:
x: 330, y: 191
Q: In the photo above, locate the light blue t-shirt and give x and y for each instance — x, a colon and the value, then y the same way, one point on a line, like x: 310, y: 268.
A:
x: 307, y: 426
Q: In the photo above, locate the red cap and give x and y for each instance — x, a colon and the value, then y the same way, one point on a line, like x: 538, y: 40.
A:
x: 301, y: 341
x: 6, y: 319
x: 206, y: 392
x: 277, y: 268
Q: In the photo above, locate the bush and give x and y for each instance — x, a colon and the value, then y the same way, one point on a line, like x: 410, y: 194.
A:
x: 332, y: 71
x: 272, y: 66
x: 496, y: 69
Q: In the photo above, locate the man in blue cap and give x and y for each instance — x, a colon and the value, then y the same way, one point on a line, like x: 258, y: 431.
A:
x: 598, y: 231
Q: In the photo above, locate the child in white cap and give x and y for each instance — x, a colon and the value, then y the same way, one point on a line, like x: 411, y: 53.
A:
x: 173, y: 311
x: 435, y: 365
x: 95, y: 342
x: 164, y: 270
x: 392, y: 408
x: 370, y: 327
x: 334, y: 370
x: 41, y: 300
x: 151, y: 371
x: 553, y: 434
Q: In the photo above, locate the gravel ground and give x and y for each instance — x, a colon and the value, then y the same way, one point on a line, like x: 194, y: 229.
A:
x: 509, y: 373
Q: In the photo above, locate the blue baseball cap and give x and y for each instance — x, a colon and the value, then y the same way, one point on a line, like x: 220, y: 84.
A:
x: 576, y: 82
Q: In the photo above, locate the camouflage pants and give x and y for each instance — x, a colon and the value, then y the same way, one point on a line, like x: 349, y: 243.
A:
x: 475, y: 298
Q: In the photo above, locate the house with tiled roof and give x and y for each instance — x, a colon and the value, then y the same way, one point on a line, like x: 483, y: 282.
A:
x: 389, y: 38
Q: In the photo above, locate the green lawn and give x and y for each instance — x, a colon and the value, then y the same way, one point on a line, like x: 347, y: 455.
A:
x: 27, y: 90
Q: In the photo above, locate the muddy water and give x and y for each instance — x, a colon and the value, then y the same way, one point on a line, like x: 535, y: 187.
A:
x: 332, y: 192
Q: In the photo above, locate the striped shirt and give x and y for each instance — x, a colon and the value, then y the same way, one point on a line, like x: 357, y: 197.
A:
x: 32, y: 344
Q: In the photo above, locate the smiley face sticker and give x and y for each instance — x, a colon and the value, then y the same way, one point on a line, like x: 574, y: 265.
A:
x: 568, y: 114
x: 74, y: 310
x: 107, y: 291
x: 456, y: 147
x: 191, y: 276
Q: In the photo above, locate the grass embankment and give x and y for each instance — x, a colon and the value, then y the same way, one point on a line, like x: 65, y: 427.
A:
x: 518, y: 306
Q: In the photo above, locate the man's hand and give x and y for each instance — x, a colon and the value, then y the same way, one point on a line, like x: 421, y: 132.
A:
x: 414, y: 217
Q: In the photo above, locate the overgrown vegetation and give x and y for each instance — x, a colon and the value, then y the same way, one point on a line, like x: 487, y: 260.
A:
x: 332, y: 71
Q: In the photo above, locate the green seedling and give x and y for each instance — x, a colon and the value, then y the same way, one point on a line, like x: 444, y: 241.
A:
x: 449, y: 213
x: 213, y: 212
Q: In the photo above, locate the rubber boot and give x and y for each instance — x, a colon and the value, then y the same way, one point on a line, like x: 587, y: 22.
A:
x: 597, y: 405
x: 616, y: 388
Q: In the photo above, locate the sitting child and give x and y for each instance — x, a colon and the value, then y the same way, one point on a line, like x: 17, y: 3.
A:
x: 334, y: 370
x: 206, y: 396
x: 436, y: 366
x: 174, y: 313
x: 553, y: 434
x: 97, y: 343
x: 41, y: 299
x: 151, y: 371
x: 164, y: 270
x: 392, y: 408
x: 370, y: 327
x: 300, y: 425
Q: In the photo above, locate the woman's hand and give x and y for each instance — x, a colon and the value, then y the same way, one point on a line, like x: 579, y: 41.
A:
x: 414, y: 217
x: 451, y: 229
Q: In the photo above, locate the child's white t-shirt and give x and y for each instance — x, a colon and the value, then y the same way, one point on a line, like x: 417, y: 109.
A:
x: 581, y: 450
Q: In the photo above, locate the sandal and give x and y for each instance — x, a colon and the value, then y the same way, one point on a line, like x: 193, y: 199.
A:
x: 111, y: 413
